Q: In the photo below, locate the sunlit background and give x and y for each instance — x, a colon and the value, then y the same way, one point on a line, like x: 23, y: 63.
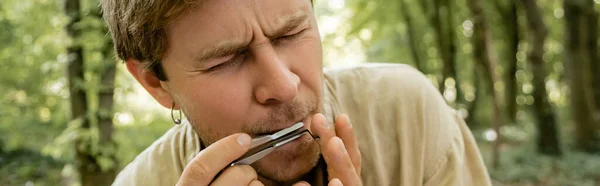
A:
x: 37, y: 133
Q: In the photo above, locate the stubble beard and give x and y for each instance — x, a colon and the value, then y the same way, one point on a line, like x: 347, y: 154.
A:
x: 279, y: 166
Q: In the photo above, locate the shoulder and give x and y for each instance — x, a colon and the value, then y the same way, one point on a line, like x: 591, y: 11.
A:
x: 380, y: 70
x: 162, y: 162
x: 379, y: 79
x: 397, y: 113
x: 388, y: 85
x: 398, y: 92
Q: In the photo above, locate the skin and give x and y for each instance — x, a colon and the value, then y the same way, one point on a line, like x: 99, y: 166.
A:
x: 256, y: 69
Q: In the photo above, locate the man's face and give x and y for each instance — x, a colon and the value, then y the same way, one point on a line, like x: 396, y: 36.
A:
x: 251, y: 66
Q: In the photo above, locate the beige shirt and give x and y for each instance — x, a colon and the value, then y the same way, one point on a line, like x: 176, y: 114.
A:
x: 406, y: 133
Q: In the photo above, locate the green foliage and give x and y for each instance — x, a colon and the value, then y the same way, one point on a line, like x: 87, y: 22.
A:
x: 24, y: 166
x: 524, y: 166
x: 32, y: 95
x: 133, y: 139
x: 37, y: 135
x: 32, y: 90
x: 520, y: 164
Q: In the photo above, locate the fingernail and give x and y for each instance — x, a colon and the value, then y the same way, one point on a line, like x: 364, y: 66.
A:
x: 335, y: 182
x: 348, y: 121
x: 244, y: 140
x: 341, y: 146
x: 324, y: 121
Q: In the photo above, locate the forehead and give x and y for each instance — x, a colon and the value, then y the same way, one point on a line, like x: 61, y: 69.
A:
x: 213, y: 20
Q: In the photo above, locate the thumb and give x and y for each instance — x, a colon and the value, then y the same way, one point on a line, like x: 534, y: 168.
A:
x: 203, y: 168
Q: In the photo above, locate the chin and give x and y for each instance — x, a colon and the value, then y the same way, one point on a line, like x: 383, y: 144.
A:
x: 290, y: 162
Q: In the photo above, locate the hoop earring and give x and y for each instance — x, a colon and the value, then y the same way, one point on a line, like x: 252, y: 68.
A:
x: 178, y: 120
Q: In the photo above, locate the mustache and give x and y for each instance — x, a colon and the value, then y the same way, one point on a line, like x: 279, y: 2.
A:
x: 283, y: 115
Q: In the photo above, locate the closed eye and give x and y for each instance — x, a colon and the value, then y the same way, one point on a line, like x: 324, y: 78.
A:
x: 236, y: 59
x: 289, y: 37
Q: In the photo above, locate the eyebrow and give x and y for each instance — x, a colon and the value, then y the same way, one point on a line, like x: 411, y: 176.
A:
x: 232, y: 47
x: 222, y: 49
x: 289, y: 24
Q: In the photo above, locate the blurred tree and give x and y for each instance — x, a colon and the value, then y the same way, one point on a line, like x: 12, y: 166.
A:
x: 511, y: 27
x: 87, y: 159
x: 390, y: 36
x: 78, y: 97
x: 595, y: 67
x: 486, y: 62
x: 32, y: 99
x: 581, y: 22
x: 440, y: 16
x: 7, y: 28
x: 412, y: 37
x: 106, y: 101
x: 595, y: 64
x: 547, y: 137
x: 477, y: 94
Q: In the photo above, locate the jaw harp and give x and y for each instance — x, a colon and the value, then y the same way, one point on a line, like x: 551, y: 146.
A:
x: 263, y: 145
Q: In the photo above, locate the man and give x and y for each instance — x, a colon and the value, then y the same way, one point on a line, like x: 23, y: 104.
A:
x: 244, y: 68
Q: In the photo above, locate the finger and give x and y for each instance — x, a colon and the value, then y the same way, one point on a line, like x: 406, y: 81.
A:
x: 302, y: 183
x: 256, y: 183
x: 321, y: 128
x: 343, y: 129
x: 236, y: 175
x: 339, y: 164
x: 335, y: 182
x: 203, y: 168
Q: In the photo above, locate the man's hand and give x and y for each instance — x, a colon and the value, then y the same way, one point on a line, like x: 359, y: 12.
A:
x: 210, y: 161
x: 340, y: 150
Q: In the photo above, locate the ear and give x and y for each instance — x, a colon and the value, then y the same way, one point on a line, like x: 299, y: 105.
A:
x: 154, y: 86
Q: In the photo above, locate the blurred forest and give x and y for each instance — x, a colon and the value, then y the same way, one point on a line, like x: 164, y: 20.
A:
x: 524, y: 74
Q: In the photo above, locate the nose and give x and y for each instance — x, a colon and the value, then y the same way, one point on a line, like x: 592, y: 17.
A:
x: 277, y: 83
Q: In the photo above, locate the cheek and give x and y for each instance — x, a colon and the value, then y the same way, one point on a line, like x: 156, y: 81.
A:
x: 218, y: 101
x: 305, y: 59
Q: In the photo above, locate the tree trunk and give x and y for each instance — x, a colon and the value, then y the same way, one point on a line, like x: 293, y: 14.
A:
x: 87, y: 164
x: 105, y: 107
x: 106, y: 94
x: 483, y: 54
x: 450, y: 61
x: 78, y: 98
x: 596, y: 73
x: 512, y: 30
x: 580, y: 53
x: 440, y: 18
x: 439, y: 31
x: 474, y: 106
x: 410, y: 27
x: 595, y: 65
x: 596, y: 79
x: 547, y: 142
